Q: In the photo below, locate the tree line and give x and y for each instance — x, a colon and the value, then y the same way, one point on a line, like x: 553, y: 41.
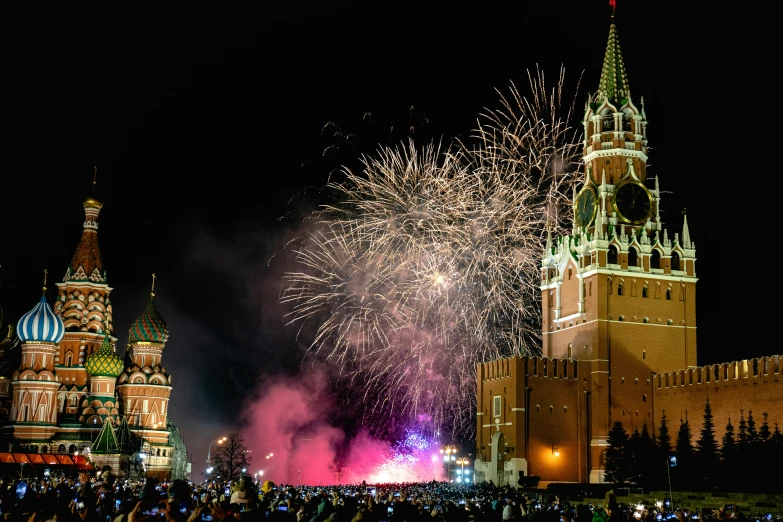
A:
x: 747, y: 459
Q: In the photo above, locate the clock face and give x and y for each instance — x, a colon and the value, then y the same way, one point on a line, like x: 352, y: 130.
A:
x: 632, y: 201
x: 585, y: 208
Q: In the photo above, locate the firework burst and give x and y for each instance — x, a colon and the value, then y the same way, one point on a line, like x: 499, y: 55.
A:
x: 429, y: 263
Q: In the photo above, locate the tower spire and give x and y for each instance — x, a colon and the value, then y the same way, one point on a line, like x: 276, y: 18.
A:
x: 614, y: 80
x: 686, y: 233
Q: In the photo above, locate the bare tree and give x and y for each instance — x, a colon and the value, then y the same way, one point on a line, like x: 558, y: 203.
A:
x: 232, y: 457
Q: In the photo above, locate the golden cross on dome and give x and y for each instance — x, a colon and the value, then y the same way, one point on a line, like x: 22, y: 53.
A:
x: 94, y: 176
x: 44, y: 285
x: 153, y: 285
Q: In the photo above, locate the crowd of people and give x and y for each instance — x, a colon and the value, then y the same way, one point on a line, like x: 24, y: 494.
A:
x: 101, y: 497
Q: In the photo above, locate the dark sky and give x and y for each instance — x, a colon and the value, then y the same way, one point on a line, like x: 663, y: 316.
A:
x: 202, y: 124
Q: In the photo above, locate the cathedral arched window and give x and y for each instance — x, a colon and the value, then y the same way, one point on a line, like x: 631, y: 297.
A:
x: 655, y: 259
x: 620, y: 289
x: 608, y: 122
x: 644, y: 291
x: 633, y: 257
x: 61, y: 449
x: 668, y: 294
x: 675, y: 261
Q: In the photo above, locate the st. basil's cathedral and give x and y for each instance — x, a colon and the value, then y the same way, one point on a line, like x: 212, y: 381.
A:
x: 64, y: 391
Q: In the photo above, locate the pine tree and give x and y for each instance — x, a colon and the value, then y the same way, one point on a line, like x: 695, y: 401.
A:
x: 742, y: 433
x: 664, y: 439
x: 764, y: 433
x: 615, y: 461
x: 777, y: 436
x: 633, y: 451
x: 753, y: 435
x: 646, y: 457
x: 684, y: 441
x: 707, y: 449
x: 663, y: 449
x: 683, y: 475
x: 729, y: 447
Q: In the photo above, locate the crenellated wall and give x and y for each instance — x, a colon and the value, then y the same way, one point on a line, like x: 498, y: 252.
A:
x: 739, y: 386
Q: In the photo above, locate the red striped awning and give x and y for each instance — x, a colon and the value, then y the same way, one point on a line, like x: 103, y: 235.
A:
x: 47, y: 459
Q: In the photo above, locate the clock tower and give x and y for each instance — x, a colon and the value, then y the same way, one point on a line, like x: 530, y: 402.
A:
x: 619, y: 292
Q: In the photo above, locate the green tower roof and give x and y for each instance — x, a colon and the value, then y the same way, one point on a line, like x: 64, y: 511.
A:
x: 106, y: 443
x: 150, y: 326
x: 104, y: 362
x: 614, y: 80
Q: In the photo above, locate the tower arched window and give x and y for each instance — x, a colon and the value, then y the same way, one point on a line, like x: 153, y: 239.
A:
x: 620, y: 289
x: 627, y: 122
x: 668, y: 294
x: 633, y: 257
x: 612, y: 255
x: 644, y: 291
x: 675, y: 261
x: 655, y: 259
x: 608, y: 122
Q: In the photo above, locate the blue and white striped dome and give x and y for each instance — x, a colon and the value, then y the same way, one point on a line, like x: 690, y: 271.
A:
x: 40, y: 325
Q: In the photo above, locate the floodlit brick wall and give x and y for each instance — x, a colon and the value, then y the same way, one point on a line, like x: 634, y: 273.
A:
x: 745, y: 385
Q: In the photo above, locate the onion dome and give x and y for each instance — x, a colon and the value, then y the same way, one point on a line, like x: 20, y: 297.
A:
x: 40, y: 325
x: 104, y: 362
x: 150, y: 326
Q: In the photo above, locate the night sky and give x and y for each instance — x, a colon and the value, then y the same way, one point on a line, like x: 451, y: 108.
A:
x: 204, y: 124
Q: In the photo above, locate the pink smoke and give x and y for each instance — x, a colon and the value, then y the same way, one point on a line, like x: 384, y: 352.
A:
x: 292, y: 441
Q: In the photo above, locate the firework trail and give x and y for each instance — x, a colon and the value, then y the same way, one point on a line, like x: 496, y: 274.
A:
x: 429, y: 263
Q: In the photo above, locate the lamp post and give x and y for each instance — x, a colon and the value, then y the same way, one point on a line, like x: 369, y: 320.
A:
x: 209, y: 450
x: 462, y: 461
x: 449, y: 454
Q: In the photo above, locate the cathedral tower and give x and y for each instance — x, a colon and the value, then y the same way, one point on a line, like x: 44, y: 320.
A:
x: 84, y: 306
x: 144, y: 386
x: 33, y: 415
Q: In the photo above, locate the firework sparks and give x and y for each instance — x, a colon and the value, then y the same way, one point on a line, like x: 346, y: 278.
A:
x: 429, y: 264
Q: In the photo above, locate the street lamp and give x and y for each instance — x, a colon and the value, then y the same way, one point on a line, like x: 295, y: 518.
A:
x: 209, y: 451
x: 449, y: 454
x: 462, y: 461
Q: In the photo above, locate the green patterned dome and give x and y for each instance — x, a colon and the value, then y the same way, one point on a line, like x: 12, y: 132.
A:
x: 150, y: 326
x: 104, y: 362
